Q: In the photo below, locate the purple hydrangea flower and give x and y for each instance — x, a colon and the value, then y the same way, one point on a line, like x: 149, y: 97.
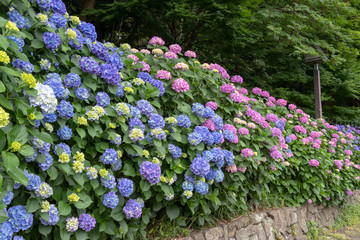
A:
x: 64, y: 133
x: 58, y: 7
x: 151, y: 172
x: 89, y: 65
x: 53, y: 216
x: 194, y: 138
x: 99, y: 50
x: 156, y: 121
x: 200, y: 166
x: 86, y: 222
x: 44, y: 4
x: 145, y: 107
x: 82, y: 93
x: 217, y: 137
x: 109, y: 156
x: 110, y: 73
x: 132, y: 209
x: 115, y: 60
x: 58, y: 20
x: 23, y: 66
x: 175, y: 151
x: 108, y: 181
x: 102, y: 99
x: 18, y: 41
x: 88, y: 30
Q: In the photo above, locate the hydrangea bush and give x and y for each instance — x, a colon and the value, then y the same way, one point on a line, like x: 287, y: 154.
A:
x: 97, y: 140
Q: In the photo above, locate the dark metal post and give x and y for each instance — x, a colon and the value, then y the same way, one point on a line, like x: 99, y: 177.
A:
x: 317, y: 91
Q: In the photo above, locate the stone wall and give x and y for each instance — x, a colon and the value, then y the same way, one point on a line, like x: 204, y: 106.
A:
x: 282, y: 223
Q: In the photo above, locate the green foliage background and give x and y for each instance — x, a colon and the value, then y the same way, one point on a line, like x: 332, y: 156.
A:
x: 264, y: 41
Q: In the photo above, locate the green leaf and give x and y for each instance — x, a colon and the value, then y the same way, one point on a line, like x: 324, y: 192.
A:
x: 18, y: 176
x: 32, y: 205
x: 81, y: 132
x: 2, y: 140
x: 4, y: 43
x: 64, y: 208
x: 11, y: 161
x: 172, y: 211
x: 79, y: 179
x: 18, y: 134
x: 176, y: 136
x: 36, y: 43
x: 128, y: 170
x: 10, y: 71
x: 81, y: 235
x: 45, y: 230
x: 52, y: 172
x: 123, y: 227
x: 5, y: 103
x: 41, y: 135
x: 2, y: 86
x: 26, y: 150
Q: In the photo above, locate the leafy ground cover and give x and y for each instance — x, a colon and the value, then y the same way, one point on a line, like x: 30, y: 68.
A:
x: 97, y: 141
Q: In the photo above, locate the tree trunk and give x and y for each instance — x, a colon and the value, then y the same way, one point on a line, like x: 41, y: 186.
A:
x: 87, y: 4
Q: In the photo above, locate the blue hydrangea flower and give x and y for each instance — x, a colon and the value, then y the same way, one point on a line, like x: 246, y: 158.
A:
x: 108, y: 181
x: 52, y: 40
x: 194, y: 138
x: 53, y: 216
x: 111, y: 200
x: 18, y: 41
x: 102, y: 99
x: 187, y: 186
x: 6, y: 231
x: 136, y: 122
x: 135, y: 112
x: 88, y: 30
x: 125, y: 186
x: 64, y: 133
x: 156, y: 121
x: 19, y: 218
x: 65, y: 109
x: 33, y: 181
x: 44, y: 4
x: 115, y: 60
x: 82, y: 93
x: 42, y: 146
x: 117, y: 141
x: 208, y: 113
x: 109, y: 156
x: 145, y: 107
x: 120, y: 92
x: 183, y: 121
x: 99, y: 50
x: 146, y: 77
x: 86, y: 222
x: 205, y: 134
x: 57, y: 87
x: 151, y: 172
x: 208, y: 155
x: 8, y: 198
x: 72, y: 80
x: 200, y: 166
x: 158, y: 133
x: 89, y: 65
x: 58, y: 7
x: 18, y: 238
x: 16, y: 17
x: 160, y: 85
x: 219, y: 124
x: 109, y: 73
x: 50, y: 118
x: 64, y: 147
x: 211, y: 175
x: 117, y: 165
x: 229, y: 157
x: 288, y: 139
x: 132, y: 209
x: 198, y: 109
x: 229, y: 135
x: 79, y: 38
x: 280, y: 124
x: 201, y: 187
x: 217, y: 137
x: 48, y: 162
x: 23, y: 66
x: 58, y: 20
x: 219, y: 176
x: 218, y: 157
x: 175, y: 151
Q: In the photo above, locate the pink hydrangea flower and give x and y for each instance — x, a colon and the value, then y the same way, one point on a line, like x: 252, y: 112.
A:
x: 163, y: 74
x: 290, y: 116
x: 156, y: 41
x: 134, y: 50
x: 309, y: 201
x: 236, y: 97
x: 315, y: 145
x: 299, y: 111
x: 256, y: 90
x: 175, y: 48
x: 227, y: 88
x: 293, y: 137
x: 270, y: 104
x: 241, y: 169
x: 338, y: 164
x: 314, y: 163
x: 292, y: 106
x: 243, y: 91
x: 349, y: 192
x: 281, y: 102
x: 231, y: 168
x: 300, y: 129
x: 237, y: 79
x: 212, y: 105
x: 315, y: 134
x: 304, y: 120
x: 170, y: 55
x: 133, y: 57
x: 180, y: 85
x: 181, y: 66
x: 145, y: 51
x: 350, y: 136
x: 220, y: 69
x: 230, y: 127
x: 209, y: 124
x: 146, y: 67
x: 275, y: 132
x: 271, y: 117
x: 189, y: 53
x: 314, y: 124
x: 265, y: 94
x: 348, y: 152
x: 243, y: 131
x: 265, y: 124
x: 247, y: 152
x: 157, y: 51
x: 271, y: 99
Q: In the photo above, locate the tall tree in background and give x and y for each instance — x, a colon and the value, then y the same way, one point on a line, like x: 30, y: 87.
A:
x: 264, y: 41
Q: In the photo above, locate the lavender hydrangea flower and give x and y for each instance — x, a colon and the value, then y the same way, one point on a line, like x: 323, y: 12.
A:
x: 183, y: 121
x: 115, y: 60
x: 102, y: 99
x: 89, y: 65
x: 132, y: 209
x: 151, y: 172
x: 175, y: 151
x: 111, y: 200
x: 53, y: 216
x: 200, y: 166
x: 145, y: 107
x: 109, y: 73
x: 125, y: 186
x: 72, y: 80
x: 86, y: 222
x: 82, y: 93
x: 156, y: 121
x: 108, y: 181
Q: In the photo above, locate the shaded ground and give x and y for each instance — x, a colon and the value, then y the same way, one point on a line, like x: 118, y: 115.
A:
x: 346, y: 227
